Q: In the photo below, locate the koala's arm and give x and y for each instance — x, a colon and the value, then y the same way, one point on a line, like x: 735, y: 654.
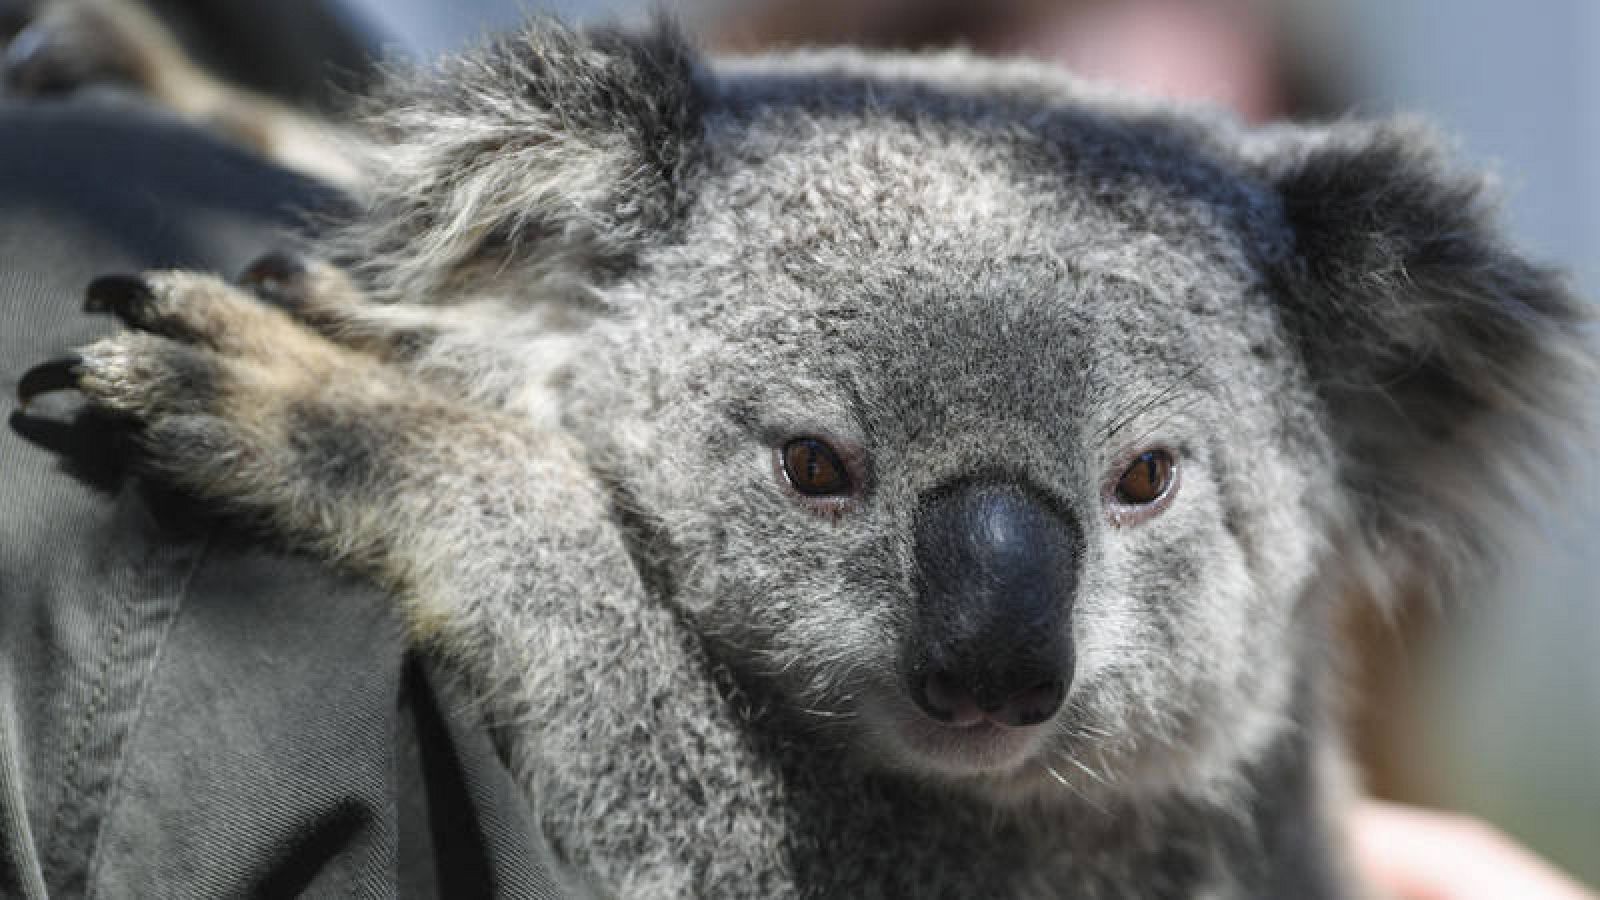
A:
x: 500, y: 542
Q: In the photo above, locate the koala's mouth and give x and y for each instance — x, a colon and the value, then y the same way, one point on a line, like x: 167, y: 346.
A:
x: 984, y: 747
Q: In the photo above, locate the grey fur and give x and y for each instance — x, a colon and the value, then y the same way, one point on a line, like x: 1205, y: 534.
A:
x: 619, y: 278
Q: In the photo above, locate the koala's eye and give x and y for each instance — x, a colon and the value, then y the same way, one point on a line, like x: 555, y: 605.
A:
x: 815, y: 469
x: 1145, y: 486
x: 1146, y: 478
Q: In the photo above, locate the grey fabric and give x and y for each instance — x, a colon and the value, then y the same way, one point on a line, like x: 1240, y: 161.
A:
x: 184, y: 711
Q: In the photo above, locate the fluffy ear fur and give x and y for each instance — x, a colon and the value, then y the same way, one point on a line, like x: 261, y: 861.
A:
x: 549, y: 150
x: 1450, y: 366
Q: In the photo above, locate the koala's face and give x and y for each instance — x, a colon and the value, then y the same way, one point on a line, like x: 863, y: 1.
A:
x: 981, y: 445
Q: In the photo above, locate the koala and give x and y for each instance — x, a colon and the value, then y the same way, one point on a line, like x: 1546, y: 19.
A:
x: 861, y: 475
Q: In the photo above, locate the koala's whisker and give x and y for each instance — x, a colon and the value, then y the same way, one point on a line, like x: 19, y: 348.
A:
x: 1154, y: 427
x: 1074, y: 789
x: 1085, y: 769
x: 1173, y: 392
x: 831, y: 716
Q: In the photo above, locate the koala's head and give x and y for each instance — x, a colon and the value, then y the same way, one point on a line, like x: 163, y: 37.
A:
x: 1009, y: 433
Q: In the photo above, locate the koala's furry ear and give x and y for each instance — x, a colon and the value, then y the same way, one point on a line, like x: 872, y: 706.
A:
x: 548, y: 150
x: 1452, y: 369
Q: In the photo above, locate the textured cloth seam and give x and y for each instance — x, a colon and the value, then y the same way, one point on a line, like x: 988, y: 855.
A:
x: 80, y: 740
x: 114, y: 793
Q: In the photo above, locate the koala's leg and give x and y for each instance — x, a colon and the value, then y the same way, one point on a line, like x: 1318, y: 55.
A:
x: 502, y: 546
x: 71, y: 44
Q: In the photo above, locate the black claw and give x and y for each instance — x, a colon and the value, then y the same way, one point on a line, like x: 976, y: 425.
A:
x: 277, y: 266
x: 274, y: 277
x: 56, y: 375
x: 124, y: 295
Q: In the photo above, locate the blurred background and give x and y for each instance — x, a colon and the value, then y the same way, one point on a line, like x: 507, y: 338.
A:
x: 1489, y: 705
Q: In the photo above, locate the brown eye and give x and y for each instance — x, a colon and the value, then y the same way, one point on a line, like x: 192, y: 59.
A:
x: 1146, y: 479
x: 815, y: 469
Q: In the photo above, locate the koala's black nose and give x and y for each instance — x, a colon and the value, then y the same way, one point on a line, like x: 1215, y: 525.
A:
x: 997, y: 568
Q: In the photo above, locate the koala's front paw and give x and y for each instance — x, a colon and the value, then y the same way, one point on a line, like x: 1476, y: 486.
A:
x: 219, y: 384
x: 58, y: 47
x: 323, y: 297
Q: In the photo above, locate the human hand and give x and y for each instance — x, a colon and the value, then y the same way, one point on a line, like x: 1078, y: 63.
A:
x: 1415, y: 854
